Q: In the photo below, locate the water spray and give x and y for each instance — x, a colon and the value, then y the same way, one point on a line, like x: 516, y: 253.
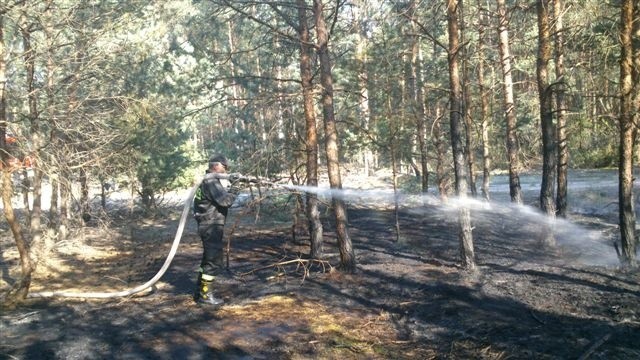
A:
x: 580, y: 244
x: 350, y: 195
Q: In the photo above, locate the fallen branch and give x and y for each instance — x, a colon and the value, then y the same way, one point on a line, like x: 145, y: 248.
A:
x: 305, y: 263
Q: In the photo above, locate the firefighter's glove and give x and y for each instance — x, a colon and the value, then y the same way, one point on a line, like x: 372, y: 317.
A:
x: 235, y: 177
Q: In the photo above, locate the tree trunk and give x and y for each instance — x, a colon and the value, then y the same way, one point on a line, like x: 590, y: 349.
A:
x: 65, y: 181
x: 347, y: 255
x: 509, y: 107
x: 306, y: 75
x: 363, y: 83
x: 455, y: 119
x: 547, y: 203
x: 25, y: 186
x: 635, y: 41
x: 53, y: 175
x: 466, y: 106
x: 441, y: 171
x: 299, y: 221
x: 418, y: 100
x: 484, y: 107
x: 64, y: 184
x: 627, y: 133
x: 21, y: 288
x: 35, y: 215
x: 394, y: 171
x: 54, y: 215
x: 85, y: 209
x: 561, y: 122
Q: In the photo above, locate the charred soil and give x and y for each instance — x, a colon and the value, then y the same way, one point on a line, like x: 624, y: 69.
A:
x: 408, y: 299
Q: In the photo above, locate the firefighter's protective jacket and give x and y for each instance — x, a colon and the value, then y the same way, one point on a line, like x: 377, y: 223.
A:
x: 212, y: 201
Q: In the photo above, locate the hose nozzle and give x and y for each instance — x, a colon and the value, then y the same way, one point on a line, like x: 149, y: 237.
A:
x: 239, y: 178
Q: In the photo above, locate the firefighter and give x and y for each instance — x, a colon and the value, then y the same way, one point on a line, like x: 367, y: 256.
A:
x: 211, y: 205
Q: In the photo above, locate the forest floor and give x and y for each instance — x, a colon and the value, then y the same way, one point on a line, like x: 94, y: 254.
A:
x: 408, y: 299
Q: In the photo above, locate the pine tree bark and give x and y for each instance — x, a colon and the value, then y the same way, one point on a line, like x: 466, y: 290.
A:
x: 466, y: 106
x: 393, y: 147
x: 455, y: 119
x: 628, y: 113
x: 418, y: 100
x: 561, y: 121
x: 545, y: 95
x: 484, y: 107
x: 21, y: 288
x: 347, y: 255
x: 85, y: 210
x: 513, y: 147
x: 306, y: 75
x: 36, y: 142
x: 64, y: 186
x: 441, y: 151
x: 364, y: 108
x: 54, y: 217
x: 635, y: 41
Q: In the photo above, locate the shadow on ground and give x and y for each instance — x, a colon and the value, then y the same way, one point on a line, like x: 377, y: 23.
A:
x: 408, y: 299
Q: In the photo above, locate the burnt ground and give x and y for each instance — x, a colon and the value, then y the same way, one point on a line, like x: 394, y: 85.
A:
x: 409, y: 298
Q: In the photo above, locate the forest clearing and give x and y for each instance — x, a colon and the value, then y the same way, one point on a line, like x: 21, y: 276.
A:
x: 407, y: 300
x: 396, y: 179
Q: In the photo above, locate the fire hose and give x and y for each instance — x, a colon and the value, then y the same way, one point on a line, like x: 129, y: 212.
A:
x: 174, y: 247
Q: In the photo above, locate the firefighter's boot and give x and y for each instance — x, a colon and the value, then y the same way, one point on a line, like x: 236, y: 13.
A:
x: 205, y: 292
x: 196, y: 291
